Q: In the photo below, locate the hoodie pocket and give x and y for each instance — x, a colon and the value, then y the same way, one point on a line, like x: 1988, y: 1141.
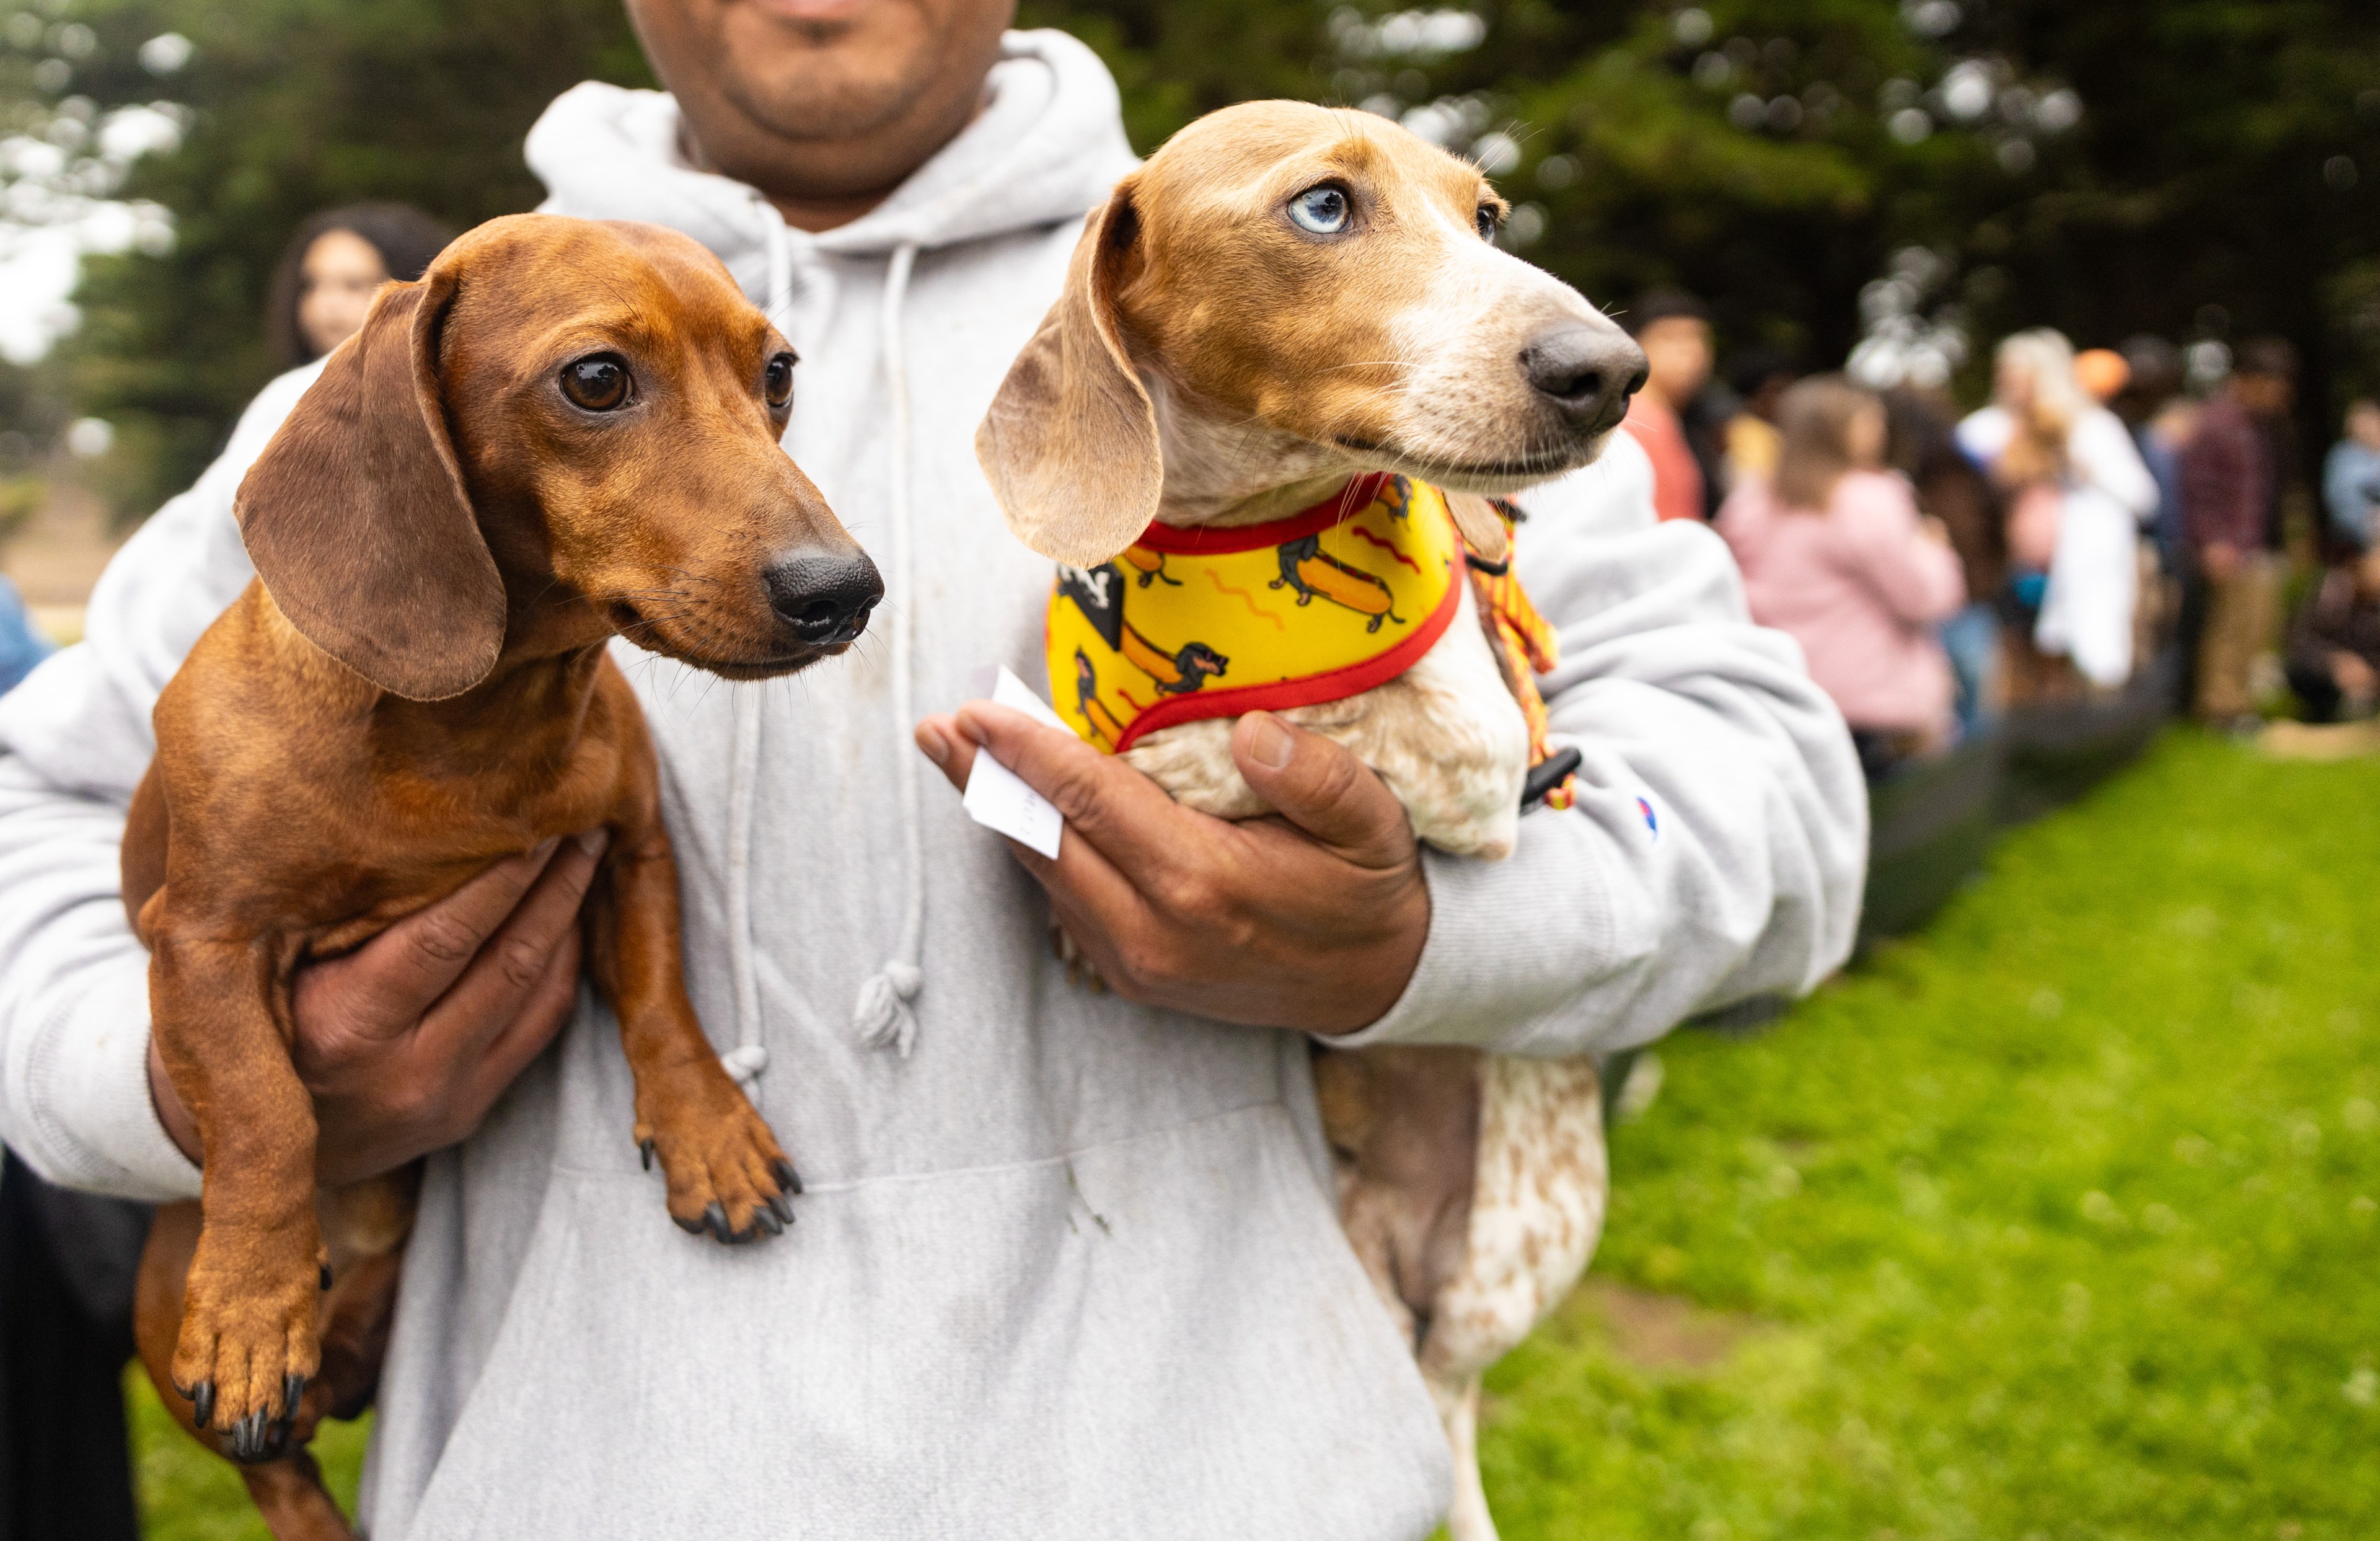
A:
x: 1163, y: 1336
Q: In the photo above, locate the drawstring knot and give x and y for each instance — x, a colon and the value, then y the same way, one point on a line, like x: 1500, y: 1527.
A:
x: 882, y: 1017
x: 746, y: 1063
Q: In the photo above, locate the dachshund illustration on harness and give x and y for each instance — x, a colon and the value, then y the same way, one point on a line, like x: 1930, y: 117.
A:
x: 1151, y: 567
x: 1309, y: 569
x: 1106, y: 732
x: 1098, y: 593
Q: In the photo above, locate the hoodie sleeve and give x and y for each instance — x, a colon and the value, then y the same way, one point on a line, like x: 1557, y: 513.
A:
x: 1719, y: 842
x: 74, y: 739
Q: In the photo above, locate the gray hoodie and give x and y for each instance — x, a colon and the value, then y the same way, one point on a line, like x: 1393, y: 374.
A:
x: 1067, y: 1267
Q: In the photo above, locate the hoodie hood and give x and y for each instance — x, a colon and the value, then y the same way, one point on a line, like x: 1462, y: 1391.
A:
x: 1046, y: 148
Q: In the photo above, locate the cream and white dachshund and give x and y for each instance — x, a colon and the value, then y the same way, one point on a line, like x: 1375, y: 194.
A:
x: 1283, y: 298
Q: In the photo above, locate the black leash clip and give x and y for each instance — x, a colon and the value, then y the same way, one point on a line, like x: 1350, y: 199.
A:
x: 1549, y: 773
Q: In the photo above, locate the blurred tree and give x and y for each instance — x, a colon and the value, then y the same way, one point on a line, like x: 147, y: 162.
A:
x: 1923, y: 174
x: 291, y: 106
x: 1906, y: 177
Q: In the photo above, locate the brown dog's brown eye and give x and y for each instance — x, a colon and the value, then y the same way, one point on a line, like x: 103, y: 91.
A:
x: 598, y: 382
x: 777, y: 381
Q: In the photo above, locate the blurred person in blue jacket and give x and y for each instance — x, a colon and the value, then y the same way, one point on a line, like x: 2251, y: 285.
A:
x: 20, y: 646
x: 2350, y: 478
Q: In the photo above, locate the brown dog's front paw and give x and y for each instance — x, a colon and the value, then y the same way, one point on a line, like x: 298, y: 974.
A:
x: 727, y: 1177
x: 248, y: 1344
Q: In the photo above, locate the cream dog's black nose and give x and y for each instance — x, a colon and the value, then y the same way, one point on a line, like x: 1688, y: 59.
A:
x: 1585, y: 373
x: 826, y: 600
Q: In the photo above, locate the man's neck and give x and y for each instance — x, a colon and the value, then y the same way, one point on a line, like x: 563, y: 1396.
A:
x: 817, y: 213
x: 819, y: 216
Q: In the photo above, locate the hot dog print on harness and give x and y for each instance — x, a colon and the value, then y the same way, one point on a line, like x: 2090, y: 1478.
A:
x: 1198, y: 623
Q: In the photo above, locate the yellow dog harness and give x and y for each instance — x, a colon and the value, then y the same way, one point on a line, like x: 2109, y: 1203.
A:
x: 1329, y: 602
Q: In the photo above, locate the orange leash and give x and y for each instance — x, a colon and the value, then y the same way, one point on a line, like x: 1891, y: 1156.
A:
x: 1526, y: 645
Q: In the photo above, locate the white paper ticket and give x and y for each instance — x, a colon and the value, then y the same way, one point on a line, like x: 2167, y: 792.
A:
x: 997, y: 798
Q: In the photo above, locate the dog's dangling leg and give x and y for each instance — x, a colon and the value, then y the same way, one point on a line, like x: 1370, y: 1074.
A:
x: 1468, y: 1520
x: 297, y: 1506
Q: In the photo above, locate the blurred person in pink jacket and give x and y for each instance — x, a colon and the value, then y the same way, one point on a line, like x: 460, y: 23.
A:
x: 1835, y: 554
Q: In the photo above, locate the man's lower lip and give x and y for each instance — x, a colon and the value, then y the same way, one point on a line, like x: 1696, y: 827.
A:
x: 812, y: 10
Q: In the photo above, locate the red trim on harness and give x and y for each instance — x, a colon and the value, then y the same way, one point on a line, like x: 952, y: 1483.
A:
x: 1202, y: 540
x: 1311, y: 691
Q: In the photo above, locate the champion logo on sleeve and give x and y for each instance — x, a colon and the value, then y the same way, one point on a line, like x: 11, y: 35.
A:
x: 1651, y: 822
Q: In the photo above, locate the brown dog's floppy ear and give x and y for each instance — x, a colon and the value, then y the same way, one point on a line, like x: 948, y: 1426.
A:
x: 1070, y: 443
x: 1482, y: 526
x: 356, y: 518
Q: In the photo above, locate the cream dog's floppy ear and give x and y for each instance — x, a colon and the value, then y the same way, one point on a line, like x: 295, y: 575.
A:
x: 1070, y: 443
x: 357, y: 517
x: 1482, y: 526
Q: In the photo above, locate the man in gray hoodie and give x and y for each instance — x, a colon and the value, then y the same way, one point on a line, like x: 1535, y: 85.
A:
x: 1068, y: 1265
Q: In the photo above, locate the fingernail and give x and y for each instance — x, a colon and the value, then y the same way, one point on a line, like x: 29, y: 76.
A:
x: 592, y: 842
x: 930, y: 739
x: 544, y: 848
x: 1270, y: 744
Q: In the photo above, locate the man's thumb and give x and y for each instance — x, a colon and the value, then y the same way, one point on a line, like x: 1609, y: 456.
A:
x: 1318, y: 786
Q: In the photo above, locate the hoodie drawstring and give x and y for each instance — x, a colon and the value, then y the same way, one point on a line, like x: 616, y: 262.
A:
x: 748, y: 1058
x: 883, y: 1015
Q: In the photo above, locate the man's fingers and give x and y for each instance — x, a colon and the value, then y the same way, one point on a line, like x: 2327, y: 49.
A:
x: 1082, y: 877
x: 540, y: 1016
x: 381, y: 988
x: 1321, y: 787
x: 1106, y: 802
x: 938, y: 740
x: 509, y: 970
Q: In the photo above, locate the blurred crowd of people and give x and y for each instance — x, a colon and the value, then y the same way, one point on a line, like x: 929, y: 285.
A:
x: 2103, y: 511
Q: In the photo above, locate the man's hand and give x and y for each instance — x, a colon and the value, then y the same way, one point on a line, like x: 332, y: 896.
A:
x: 1311, y: 919
x: 407, y: 1042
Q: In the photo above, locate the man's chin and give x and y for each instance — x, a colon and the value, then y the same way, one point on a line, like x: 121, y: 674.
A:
x: 832, y: 81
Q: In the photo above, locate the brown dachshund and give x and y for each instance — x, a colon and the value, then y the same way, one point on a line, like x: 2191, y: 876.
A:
x: 565, y: 432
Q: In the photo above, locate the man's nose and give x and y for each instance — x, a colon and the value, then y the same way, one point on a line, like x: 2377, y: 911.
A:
x: 825, y: 599
x: 1585, y: 373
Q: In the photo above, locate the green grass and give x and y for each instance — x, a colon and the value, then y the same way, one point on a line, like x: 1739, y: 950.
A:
x: 189, y: 1493
x: 2056, y: 1224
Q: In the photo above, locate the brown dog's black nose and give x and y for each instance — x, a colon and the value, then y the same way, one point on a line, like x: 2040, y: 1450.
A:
x: 826, y: 600
x: 1587, y: 374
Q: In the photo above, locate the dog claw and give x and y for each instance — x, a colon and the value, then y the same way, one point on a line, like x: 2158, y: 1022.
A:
x: 782, y: 1206
x: 202, y: 1404
x: 248, y: 1437
x: 787, y: 1179
x: 293, y: 1386
x: 715, y: 1217
x: 691, y: 1227
x: 765, y: 1217
x: 645, y: 1153
x: 328, y: 1277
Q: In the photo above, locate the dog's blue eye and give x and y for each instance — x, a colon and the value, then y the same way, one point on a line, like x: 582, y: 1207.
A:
x: 1322, y: 210
x: 1487, y: 220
